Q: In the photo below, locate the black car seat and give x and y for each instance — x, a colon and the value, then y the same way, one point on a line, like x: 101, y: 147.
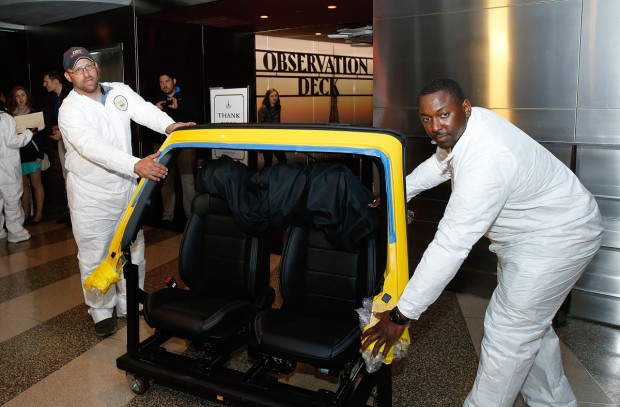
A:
x: 321, y: 287
x: 227, y: 275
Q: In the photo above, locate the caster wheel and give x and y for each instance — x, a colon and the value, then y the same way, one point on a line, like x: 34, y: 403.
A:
x: 138, y: 384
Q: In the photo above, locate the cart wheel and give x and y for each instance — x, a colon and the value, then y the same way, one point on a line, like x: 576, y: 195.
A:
x: 138, y: 384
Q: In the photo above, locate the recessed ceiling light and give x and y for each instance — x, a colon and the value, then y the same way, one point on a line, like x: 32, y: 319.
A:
x: 264, y: 16
x: 331, y: 6
x: 317, y: 33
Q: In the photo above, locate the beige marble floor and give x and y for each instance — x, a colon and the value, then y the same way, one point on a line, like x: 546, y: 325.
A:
x: 92, y: 379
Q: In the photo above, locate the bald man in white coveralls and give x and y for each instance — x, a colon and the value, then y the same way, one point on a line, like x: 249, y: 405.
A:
x: 544, y: 227
x: 102, y: 173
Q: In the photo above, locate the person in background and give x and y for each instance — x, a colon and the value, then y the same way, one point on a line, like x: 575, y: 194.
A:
x: 11, y: 184
x: 2, y: 101
x: 31, y: 157
x: 182, y: 108
x: 54, y: 83
x: 94, y: 120
x: 544, y: 226
x: 269, y: 112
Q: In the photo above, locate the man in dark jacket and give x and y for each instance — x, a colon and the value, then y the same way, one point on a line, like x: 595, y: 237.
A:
x: 180, y: 107
x: 54, y: 82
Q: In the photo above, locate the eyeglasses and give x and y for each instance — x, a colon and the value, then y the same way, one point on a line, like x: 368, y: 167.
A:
x: 80, y: 71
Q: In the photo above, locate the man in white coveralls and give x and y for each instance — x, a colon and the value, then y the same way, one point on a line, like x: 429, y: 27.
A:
x: 544, y: 227
x: 95, y: 120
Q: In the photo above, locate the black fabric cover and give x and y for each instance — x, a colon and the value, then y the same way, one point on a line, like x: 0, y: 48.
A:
x: 326, y: 195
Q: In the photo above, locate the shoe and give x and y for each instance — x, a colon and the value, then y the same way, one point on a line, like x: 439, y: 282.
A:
x: 105, y: 327
x: 19, y: 237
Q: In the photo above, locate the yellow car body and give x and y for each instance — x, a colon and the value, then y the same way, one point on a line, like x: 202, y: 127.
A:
x: 385, y: 146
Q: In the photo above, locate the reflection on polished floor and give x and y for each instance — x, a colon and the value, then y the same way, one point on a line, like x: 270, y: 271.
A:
x: 50, y: 355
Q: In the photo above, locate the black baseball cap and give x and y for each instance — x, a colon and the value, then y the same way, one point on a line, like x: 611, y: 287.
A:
x: 74, y: 54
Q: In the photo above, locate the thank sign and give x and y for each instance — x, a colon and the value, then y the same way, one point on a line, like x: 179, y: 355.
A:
x: 230, y: 106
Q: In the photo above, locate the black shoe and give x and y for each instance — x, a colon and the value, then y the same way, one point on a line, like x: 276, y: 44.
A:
x: 105, y: 327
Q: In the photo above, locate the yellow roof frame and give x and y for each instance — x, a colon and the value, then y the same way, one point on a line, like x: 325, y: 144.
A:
x: 385, y: 145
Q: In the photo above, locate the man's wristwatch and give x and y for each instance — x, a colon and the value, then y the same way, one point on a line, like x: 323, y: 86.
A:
x: 398, y: 318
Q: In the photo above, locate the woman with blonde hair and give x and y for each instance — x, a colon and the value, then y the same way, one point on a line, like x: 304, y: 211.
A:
x: 31, y: 155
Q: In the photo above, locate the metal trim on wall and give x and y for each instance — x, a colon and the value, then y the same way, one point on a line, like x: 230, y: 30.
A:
x: 549, y: 67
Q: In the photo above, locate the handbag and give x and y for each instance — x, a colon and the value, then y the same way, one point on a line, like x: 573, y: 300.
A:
x: 45, y: 164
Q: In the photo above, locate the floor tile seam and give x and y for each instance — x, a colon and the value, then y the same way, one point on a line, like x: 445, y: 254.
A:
x: 469, y: 330
x: 68, y: 252
x: 33, y: 242
x: 35, y: 278
x: 40, y: 259
x: 74, y: 250
x: 40, y: 321
x: 150, y: 234
x: 28, y: 274
x: 35, y: 392
x: 599, y: 385
x: 46, y: 366
x: 49, y: 324
x: 13, y: 271
x: 40, y: 317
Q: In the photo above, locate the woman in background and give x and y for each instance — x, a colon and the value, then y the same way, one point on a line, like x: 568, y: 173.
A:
x: 31, y: 156
x: 2, y: 101
x: 269, y: 112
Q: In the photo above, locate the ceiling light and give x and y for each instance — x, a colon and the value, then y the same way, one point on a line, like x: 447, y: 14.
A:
x: 264, y: 16
x: 354, y: 36
x: 317, y: 34
x: 331, y: 6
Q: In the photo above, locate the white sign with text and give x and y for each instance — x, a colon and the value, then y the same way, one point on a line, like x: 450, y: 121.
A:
x: 230, y: 106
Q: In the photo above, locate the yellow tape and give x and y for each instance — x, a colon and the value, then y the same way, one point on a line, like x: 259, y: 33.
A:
x: 103, y: 277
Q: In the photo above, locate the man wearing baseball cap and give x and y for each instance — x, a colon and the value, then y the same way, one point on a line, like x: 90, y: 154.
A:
x: 95, y: 122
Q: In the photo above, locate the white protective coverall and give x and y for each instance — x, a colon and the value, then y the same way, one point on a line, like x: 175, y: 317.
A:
x: 544, y: 226
x: 101, y: 179
x: 11, y: 184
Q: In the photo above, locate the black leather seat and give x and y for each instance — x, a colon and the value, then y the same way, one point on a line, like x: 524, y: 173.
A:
x: 227, y: 273
x: 321, y: 288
